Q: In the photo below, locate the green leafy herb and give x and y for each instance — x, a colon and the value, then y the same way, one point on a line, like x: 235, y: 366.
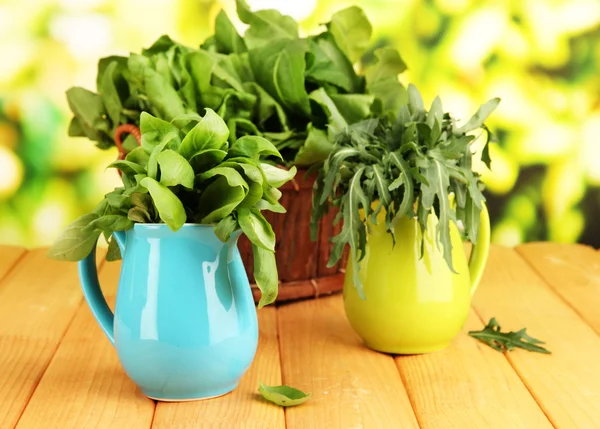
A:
x: 186, y: 171
x: 284, y: 396
x: 507, y: 341
x: 296, y: 91
x: 405, y: 167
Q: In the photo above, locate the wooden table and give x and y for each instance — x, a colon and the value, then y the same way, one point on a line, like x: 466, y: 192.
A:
x: 57, y: 370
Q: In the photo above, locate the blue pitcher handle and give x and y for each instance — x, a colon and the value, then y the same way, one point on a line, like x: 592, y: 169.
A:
x: 88, y: 276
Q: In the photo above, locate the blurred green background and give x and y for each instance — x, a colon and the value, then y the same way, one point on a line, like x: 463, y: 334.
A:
x: 542, y: 57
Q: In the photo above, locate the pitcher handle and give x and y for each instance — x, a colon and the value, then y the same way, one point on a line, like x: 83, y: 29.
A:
x: 88, y: 276
x: 481, y: 250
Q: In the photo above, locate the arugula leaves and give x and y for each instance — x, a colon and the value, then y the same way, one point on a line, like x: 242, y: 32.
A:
x: 408, y: 167
x: 507, y: 341
x: 270, y: 82
x: 187, y: 171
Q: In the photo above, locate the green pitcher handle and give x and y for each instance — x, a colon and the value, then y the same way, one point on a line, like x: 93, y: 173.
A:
x: 481, y: 250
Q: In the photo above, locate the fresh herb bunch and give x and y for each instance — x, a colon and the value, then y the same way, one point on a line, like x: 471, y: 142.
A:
x: 296, y: 92
x: 409, y: 166
x: 186, y: 171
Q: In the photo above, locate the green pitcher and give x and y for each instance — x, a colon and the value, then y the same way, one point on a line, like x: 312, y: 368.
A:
x: 414, y: 304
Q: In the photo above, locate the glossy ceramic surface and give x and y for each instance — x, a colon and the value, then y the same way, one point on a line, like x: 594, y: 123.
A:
x: 185, y: 323
x: 413, y: 304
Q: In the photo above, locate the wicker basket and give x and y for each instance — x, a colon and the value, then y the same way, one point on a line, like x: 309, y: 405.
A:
x: 301, y: 263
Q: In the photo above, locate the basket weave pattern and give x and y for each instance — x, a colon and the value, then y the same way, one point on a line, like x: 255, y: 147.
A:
x: 301, y: 263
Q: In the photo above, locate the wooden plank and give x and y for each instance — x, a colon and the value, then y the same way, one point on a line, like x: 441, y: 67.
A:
x: 566, y: 383
x: 468, y: 385
x: 573, y: 271
x: 9, y: 257
x: 351, y: 386
x: 84, y: 385
x: 243, y: 408
x: 37, y: 302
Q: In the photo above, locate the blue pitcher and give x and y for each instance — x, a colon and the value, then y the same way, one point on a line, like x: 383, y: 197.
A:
x: 185, y: 323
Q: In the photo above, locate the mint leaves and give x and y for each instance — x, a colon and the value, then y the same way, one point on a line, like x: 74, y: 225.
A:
x: 187, y: 171
x: 297, y: 92
x: 408, y: 166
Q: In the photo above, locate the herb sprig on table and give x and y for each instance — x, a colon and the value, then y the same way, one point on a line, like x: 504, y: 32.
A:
x: 507, y: 341
x: 186, y: 171
x: 408, y: 167
x: 296, y: 92
x: 284, y: 396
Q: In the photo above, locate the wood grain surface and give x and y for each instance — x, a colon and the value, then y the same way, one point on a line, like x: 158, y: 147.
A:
x: 58, y: 370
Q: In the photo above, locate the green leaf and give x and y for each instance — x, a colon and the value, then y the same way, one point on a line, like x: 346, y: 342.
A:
x: 117, y: 200
x: 113, y: 253
x: 231, y: 175
x: 351, y: 30
x: 257, y: 228
x: 218, y: 200
x: 507, y: 341
x: 265, y: 205
x: 139, y: 215
x: 253, y: 147
x: 279, y: 68
x: 272, y: 195
x: 88, y: 108
x: 254, y: 178
x: 485, y: 153
x: 227, y: 38
x: 284, y: 396
x: 175, y: 170
x: 110, y: 223
x: 353, y: 107
x: 75, y: 128
x: 266, y: 106
x: 152, y: 169
x: 76, y: 241
x: 113, y: 83
x: 162, y: 44
x: 326, y: 63
x: 138, y: 156
x: 166, y: 102
x: 404, y: 178
x: 335, y: 121
x: 353, y: 230
x: 169, y: 206
x: 206, y: 158
x: 226, y: 227
x: 415, y: 102
x: 201, y: 65
x: 438, y: 180
x: 315, y: 149
x: 275, y: 176
x: 265, y: 25
x: 472, y: 218
x: 103, y: 64
x: 210, y: 133
x: 265, y: 274
x: 142, y: 200
x: 127, y: 167
x: 186, y: 122
x: 479, y: 117
x: 382, y: 80
x: 380, y: 184
x: 435, y: 115
x: 156, y: 131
